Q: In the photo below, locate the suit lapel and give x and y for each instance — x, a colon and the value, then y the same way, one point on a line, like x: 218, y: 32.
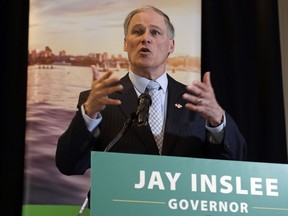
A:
x: 130, y: 106
x: 175, y: 108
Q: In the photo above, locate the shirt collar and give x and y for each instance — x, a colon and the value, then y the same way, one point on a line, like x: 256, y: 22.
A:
x: 140, y: 83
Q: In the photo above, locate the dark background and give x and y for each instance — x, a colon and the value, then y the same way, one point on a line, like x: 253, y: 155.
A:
x: 13, y: 69
x: 240, y: 46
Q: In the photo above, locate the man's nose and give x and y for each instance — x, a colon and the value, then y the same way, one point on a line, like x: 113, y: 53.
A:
x: 146, y: 37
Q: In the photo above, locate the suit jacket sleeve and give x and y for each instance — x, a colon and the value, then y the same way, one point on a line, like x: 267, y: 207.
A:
x: 75, y: 144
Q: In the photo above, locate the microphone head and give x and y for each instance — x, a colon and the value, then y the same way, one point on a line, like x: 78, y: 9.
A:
x: 144, y: 102
x: 144, y: 96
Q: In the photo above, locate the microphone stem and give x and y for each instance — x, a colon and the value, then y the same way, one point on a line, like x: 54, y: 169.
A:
x: 83, y: 207
x: 126, y: 125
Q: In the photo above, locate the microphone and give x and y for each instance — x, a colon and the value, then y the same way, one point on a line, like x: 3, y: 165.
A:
x: 142, y: 113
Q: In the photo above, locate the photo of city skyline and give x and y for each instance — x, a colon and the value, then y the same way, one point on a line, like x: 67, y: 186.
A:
x: 97, y: 26
x: 83, y: 35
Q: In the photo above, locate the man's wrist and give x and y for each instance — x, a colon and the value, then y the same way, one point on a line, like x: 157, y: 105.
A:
x: 91, y: 123
x: 216, y: 123
x: 89, y: 113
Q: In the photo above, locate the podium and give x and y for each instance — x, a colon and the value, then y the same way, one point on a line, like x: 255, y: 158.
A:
x: 148, y: 185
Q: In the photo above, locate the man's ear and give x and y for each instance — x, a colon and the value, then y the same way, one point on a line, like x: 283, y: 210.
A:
x: 171, y: 46
x: 125, y: 45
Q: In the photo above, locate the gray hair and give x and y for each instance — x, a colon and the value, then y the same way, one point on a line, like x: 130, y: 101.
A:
x: 170, y: 27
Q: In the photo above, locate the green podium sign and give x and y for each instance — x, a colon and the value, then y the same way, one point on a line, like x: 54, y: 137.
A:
x: 142, y: 185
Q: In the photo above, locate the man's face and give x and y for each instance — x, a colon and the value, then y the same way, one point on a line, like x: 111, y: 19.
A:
x: 147, y: 43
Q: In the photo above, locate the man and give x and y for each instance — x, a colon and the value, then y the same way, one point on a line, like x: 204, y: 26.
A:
x: 193, y: 123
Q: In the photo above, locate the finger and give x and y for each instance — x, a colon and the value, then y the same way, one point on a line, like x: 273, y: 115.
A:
x: 196, y: 88
x: 206, y: 78
x: 196, y: 108
x: 107, y: 91
x: 191, y: 98
x: 95, y: 72
x: 109, y: 101
x: 108, y: 83
x: 203, y: 86
x: 105, y: 76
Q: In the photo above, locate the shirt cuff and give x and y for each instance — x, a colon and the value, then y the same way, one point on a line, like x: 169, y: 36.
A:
x: 91, y: 123
x: 216, y: 135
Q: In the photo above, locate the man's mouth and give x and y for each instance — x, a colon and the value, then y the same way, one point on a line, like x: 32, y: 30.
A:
x: 144, y: 50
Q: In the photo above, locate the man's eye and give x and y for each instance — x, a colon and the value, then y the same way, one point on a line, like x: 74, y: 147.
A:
x: 155, y: 32
x: 137, y: 31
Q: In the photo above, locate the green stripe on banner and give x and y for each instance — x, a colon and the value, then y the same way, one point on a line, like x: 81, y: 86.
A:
x: 52, y: 210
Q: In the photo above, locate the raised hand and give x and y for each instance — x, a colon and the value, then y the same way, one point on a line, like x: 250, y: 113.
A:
x: 101, y: 88
x: 200, y: 98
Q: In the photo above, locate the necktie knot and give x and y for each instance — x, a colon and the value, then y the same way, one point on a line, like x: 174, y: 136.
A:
x: 153, y: 85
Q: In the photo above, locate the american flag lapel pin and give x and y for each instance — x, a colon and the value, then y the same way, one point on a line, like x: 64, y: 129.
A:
x: 177, y: 105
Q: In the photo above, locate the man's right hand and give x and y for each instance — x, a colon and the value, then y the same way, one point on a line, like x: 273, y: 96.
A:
x: 101, y: 88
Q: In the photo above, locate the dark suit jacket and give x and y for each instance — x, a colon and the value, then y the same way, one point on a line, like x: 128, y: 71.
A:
x: 185, y: 133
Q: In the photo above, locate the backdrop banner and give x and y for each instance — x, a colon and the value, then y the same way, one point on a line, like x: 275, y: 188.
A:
x: 62, y: 48
x: 129, y: 184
